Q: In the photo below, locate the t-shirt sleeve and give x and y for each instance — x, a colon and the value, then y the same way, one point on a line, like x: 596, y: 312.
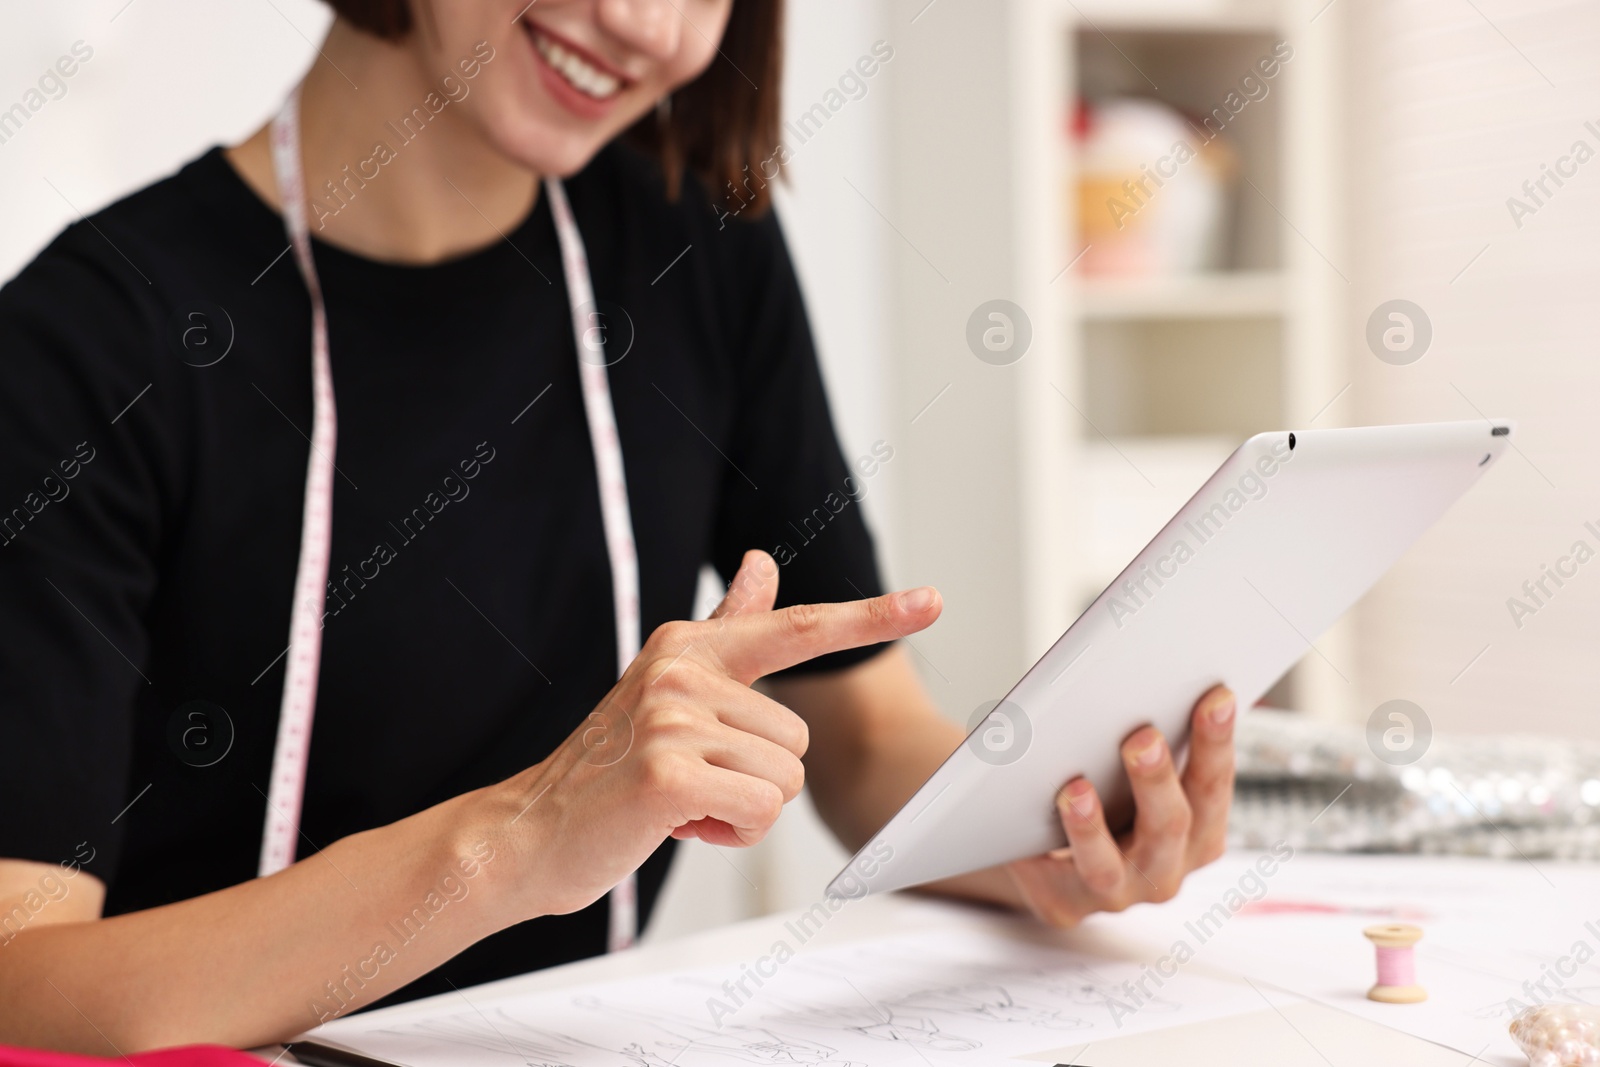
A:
x: 80, y: 500
x: 792, y: 493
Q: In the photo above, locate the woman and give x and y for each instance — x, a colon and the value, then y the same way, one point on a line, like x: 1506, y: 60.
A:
x: 506, y: 522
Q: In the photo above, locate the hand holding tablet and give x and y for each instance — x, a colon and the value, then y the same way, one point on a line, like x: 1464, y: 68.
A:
x: 1288, y: 533
x: 1180, y: 823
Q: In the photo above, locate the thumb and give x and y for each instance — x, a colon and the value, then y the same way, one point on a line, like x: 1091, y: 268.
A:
x: 753, y: 590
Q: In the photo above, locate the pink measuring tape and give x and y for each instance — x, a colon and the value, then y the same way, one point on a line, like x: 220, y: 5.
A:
x: 287, y: 782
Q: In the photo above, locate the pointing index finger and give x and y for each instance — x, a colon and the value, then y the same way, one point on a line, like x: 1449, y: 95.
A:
x: 751, y: 646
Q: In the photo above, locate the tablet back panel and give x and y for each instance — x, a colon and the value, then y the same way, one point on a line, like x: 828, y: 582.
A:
x: 1277, y: 544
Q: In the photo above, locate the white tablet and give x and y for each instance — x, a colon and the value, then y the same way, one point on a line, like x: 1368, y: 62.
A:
x: 1278, y: 543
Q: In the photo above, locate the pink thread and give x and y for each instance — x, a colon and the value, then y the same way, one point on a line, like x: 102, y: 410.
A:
x: 1397, y: 966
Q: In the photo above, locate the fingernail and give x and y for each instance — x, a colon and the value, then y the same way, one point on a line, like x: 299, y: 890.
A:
x: 1150, y: 755
x: 1222, y: 714
x: 917, y: 600
x: 1077, y: 798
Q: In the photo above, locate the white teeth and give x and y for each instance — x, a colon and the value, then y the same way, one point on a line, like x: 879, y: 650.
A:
x: 585, y: 77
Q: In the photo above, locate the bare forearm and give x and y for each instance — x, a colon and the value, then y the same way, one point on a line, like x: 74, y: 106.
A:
x: 890, y: 774
x: 263, y: 960
x: 877, y: 738
x: 267, y: 959
x: 882, y: 775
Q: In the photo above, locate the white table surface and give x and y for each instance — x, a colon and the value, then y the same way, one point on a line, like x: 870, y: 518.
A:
x: 1289, y: 1035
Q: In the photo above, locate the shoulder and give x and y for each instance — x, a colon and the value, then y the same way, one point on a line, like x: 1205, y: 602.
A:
x: 137, y: 257
x: 167, y: 210
x: 88, y: 324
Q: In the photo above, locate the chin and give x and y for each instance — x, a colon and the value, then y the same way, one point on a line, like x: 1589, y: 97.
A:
x: 550, y: 151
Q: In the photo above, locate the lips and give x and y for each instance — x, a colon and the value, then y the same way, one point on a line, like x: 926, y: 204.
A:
x: 576, y: 78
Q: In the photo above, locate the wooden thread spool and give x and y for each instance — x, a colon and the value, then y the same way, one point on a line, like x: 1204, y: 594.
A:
x: 1397, y: 964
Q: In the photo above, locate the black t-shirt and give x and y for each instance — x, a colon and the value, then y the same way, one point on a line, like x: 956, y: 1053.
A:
x: 155, y: 395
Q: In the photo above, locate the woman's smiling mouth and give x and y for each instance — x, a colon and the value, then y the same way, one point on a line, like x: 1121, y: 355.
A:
x: 577, y: 78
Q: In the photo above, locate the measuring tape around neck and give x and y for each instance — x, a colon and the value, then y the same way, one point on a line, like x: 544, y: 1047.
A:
x: 287, y: 782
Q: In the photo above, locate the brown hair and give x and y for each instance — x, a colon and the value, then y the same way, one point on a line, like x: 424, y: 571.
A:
x: 723, y: 126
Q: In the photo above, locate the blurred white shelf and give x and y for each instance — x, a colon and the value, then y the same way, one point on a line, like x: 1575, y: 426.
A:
x: 1024, y: 507
x: 1172, y: 15
x: 1224, y: 294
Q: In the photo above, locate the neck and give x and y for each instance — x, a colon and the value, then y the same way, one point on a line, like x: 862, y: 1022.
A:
x: 444, y: 192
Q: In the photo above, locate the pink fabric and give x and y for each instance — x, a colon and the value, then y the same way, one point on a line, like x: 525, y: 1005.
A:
x: 186, y: 1056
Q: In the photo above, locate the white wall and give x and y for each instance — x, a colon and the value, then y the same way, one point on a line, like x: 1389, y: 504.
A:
x: 1451, y: 111
x: 167, y: 79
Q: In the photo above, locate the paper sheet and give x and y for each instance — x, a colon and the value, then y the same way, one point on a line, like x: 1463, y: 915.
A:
x: 941, y: 997
x: 1248, y: 932
x: 1496, y: 935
